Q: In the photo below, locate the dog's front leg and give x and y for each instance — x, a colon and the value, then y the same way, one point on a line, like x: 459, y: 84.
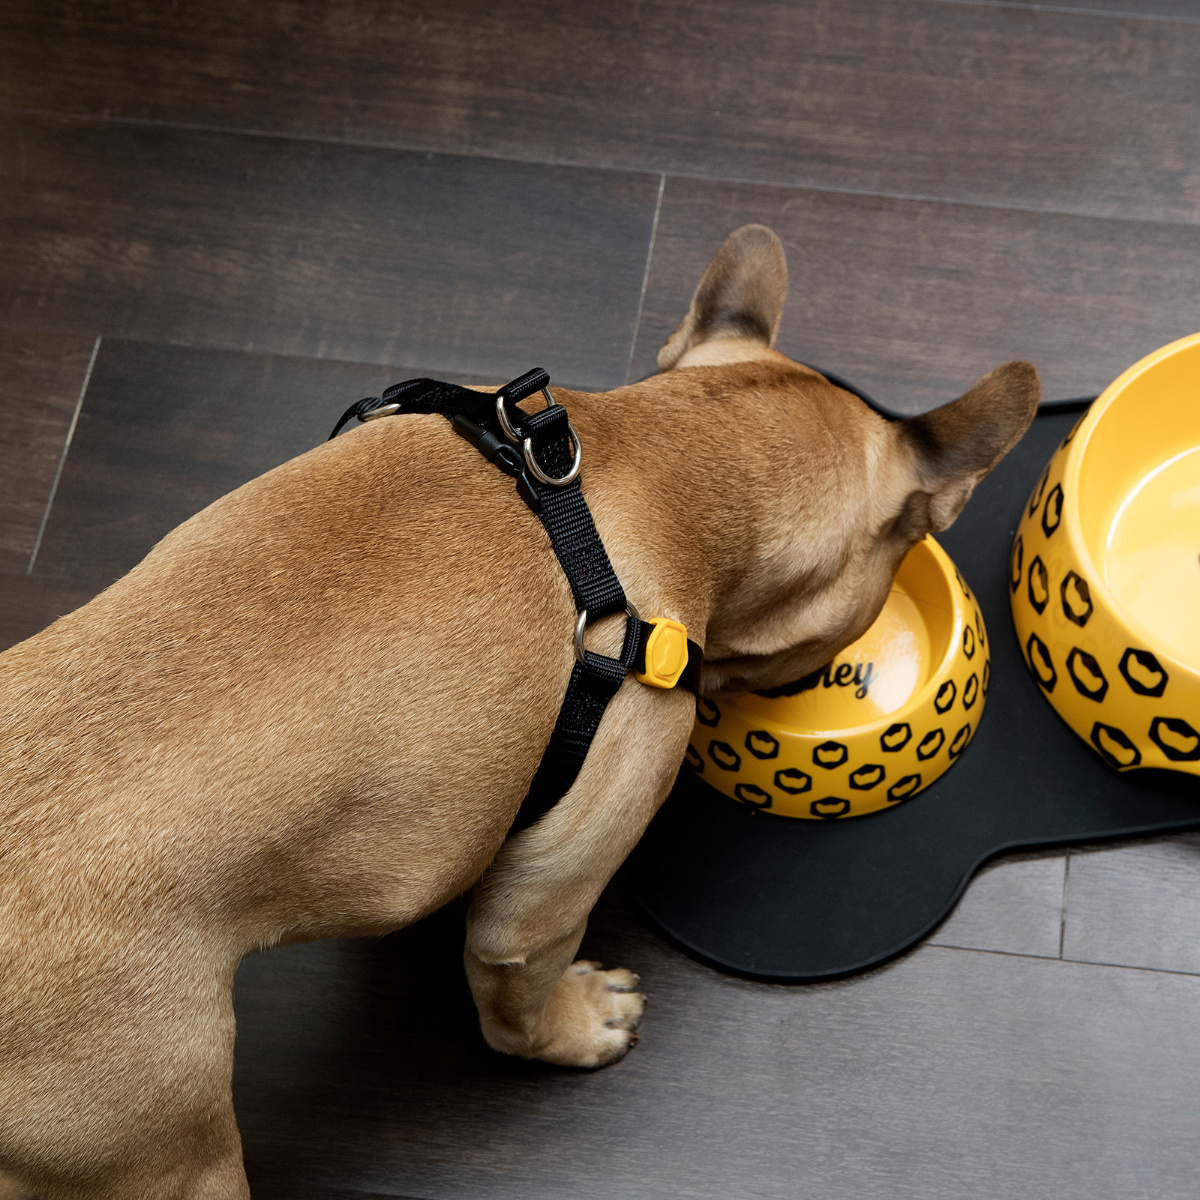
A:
x: 531, y: 907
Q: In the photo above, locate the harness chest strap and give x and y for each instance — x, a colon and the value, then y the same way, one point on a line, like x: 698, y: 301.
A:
x: 543, y: 453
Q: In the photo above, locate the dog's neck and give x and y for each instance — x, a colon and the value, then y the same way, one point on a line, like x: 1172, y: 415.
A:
x: 745, y: 500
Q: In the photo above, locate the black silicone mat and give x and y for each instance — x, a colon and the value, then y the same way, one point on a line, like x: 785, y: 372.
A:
x: 777, y: 898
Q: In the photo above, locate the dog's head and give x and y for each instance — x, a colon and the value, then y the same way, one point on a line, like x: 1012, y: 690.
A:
x: 830, y: 495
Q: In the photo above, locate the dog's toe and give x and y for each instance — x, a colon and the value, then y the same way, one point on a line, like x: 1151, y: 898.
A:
x: 591, y: 1017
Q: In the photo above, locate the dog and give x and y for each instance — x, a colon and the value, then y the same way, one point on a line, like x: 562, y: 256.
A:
x: 314, y: 708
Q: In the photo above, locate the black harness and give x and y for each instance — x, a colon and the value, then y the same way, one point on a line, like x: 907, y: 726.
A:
x: 542, y: 452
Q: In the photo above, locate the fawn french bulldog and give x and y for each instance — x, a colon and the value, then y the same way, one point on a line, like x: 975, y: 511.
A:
x: 314, y: 709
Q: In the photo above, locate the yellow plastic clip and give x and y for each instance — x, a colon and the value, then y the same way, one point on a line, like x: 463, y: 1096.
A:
x: 666, y: 653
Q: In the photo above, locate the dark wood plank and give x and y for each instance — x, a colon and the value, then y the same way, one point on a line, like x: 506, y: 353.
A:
x: 1004, y: 103
x: 1014, y: 905
x: 913, y: 300
x: 948, y: 1074
x: 298, y: 248
x: 28, y: 605
x: 166, y: 430
x: 1136, y: 904
x: 41, y: 376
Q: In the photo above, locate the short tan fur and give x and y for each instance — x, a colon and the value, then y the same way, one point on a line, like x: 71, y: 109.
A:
x: 314, y: 708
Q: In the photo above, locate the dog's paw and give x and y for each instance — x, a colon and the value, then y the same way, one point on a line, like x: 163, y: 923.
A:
x: 591, y: 1017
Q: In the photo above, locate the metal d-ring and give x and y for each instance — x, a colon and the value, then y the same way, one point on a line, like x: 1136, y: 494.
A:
x: 581, y: 625
x: 541, y: 475
x: 502, y: 415
x: 384, y: 410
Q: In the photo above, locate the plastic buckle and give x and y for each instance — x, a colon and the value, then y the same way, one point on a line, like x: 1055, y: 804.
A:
x: 666, y: 653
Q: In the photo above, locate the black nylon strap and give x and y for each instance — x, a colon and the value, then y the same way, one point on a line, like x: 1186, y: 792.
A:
x: 568, y: 521
x: 588, y: 693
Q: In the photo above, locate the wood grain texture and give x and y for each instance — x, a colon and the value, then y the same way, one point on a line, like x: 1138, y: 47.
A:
x: 1186, y: 11
x: 993, y: 104
x: 165, y: 431
x: 1136, y: 904
x: 947, y: 1074
x: 41, y: 376
x: 297, y: 248
x: 28, y: 605
x: 913, y: 300
x: 1014, y: 905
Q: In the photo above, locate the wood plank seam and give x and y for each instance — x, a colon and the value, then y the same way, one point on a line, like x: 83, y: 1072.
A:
x: 585, y: 165
x: 1077, y: 962
x: 637, y: 321
x: 62, y: 461
x: 1071, y: 10
x: 1062, y: 925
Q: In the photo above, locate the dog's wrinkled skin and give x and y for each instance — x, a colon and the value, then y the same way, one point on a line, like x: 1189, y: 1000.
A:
x: 314, y: 708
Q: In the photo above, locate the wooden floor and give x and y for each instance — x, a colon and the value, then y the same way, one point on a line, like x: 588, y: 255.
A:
x: 223, y: 222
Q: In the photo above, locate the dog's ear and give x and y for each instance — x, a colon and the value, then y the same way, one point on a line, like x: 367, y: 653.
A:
x: 740, y: 297
x: 953, y: 447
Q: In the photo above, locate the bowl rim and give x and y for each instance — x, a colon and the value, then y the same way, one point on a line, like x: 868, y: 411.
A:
x: 937, y: 675
x: 1071, y: 514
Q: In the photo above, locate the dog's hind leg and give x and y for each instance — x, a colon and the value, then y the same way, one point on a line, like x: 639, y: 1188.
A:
x: 530, y: 909
x: 128, y: 1097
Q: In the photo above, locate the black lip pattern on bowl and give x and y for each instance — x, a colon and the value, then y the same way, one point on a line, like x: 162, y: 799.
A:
x: 749, y: 793
x: 1086, y: 675
x: 968, y: 641
x: 1040, y: 662
x: 1036, y: 498
x: 724, y: 755
x: 1016, y: 564
x: 961, y: 738
x: 944, y: 699
x: 867, y: 776
x: 707, y: 713
x: 1168, y: 732
x: 1146, y: 666
x: 761, y: 744
x: 830, y: 755
x: 930, y: 744
x: 980, y: 628
x: 829, y: 809
x: 987, y: 675
x: 692, y: 757
x: 793, y: 781
x: 971, y: 692
x: 1079, y: 614
x: 1052, y: 513
x: 1039, y: 585
x: 895, y: 737
x: 903, y: 788
x: 1074, y: 430
x: 1119, y: 739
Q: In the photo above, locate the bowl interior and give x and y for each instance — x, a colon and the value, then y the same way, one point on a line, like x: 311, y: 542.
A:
x: 889, y: 666
x: 1139, y: 500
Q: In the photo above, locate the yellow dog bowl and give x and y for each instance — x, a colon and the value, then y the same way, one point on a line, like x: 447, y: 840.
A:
x: 889, y: 715
x: 1105, y: 568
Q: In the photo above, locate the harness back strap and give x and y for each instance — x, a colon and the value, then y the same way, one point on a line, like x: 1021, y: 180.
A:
x: 542, y: 452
